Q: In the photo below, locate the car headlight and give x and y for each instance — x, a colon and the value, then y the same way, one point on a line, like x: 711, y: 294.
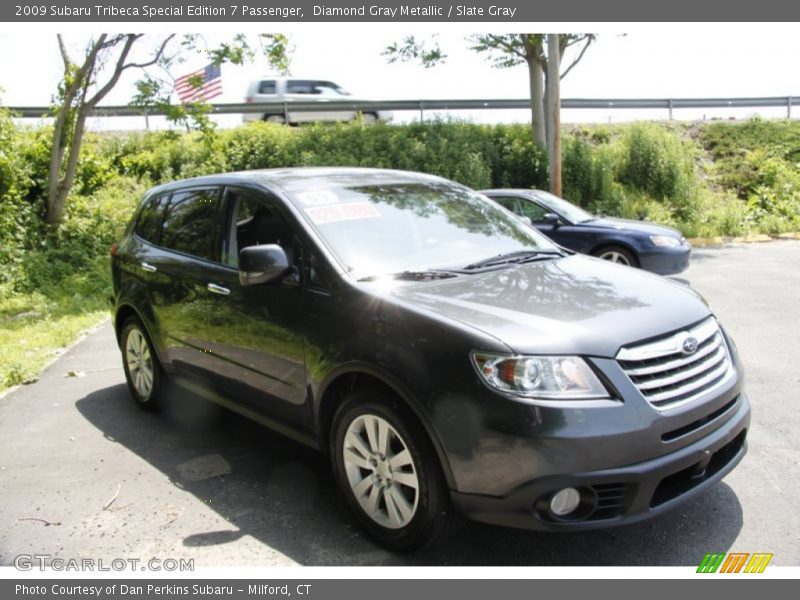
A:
x: 545, y: 377
x: 665, y: 241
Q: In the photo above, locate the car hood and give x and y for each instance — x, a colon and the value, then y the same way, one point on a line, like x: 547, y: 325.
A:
x: 573, y: 305
x: 631, y: 225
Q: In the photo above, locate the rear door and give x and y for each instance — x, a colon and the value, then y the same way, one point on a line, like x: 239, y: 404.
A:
x: 255, y: 333
x: 188, y: 244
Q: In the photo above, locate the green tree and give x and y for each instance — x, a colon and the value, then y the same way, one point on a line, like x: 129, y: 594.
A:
x: 544, y: 62
x: 91, y: 77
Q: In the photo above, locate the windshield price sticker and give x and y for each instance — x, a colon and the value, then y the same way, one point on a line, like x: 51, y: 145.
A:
x: 333, y: 213
x: 317, y: 198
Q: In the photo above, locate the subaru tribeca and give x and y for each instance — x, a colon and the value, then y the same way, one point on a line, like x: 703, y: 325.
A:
x: 446, y: 356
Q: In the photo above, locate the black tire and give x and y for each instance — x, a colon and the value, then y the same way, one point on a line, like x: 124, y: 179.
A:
x: 618, y: 255
x: 433, y: 516
x: 278, y: 119
x: 147, y: 397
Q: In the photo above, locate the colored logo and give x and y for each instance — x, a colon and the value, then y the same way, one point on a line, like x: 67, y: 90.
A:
x: 734, y: 562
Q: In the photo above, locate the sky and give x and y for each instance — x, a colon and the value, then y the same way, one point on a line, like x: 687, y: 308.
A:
x: 628, y: 60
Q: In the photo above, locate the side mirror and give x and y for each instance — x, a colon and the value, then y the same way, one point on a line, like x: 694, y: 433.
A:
x: 262, y: 264
x: 551, y: 219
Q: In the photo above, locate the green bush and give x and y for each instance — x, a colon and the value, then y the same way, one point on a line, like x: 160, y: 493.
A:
x: 661, y: 164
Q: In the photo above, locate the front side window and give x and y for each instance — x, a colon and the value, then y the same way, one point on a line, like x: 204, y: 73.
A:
x: 574, y: 214
x: 191, y: 222
x: 509, y: 203
x: 254, y: 221
x: 299, y: 86
x: 386, y: 228
x: 328, y: 88
x: 533, y: 211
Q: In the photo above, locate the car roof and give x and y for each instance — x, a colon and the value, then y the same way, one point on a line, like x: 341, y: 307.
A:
x: 305, y: 178
x: 293, y: 78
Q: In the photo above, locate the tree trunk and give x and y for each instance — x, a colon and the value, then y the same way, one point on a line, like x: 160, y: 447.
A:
x: 536, y: 80
x: 54, y: 213
x: 58, y: 200
x: 553, y: 96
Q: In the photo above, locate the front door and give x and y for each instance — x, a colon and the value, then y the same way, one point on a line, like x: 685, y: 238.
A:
x: 255, y: 333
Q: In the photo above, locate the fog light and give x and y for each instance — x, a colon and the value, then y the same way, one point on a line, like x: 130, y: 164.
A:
x: 565, y: 501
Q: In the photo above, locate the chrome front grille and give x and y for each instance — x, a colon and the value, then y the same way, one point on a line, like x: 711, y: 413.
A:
x: 680, y: 367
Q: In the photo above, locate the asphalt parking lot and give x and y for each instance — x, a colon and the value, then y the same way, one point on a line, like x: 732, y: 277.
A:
x: 85, y: 473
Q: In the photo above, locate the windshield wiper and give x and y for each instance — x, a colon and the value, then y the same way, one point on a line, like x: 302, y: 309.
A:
x: 521, y: 256
x: 429, y: 275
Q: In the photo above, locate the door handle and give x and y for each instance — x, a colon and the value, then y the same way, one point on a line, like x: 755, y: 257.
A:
x: 148, y: 267
x: 218, y: 289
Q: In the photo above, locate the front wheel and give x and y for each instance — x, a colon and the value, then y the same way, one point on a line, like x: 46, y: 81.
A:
x: 617, y: 254
x: 389, y: 472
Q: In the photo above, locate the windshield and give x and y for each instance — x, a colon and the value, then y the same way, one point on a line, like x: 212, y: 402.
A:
x: 391, y: 228
x: 569, y: 211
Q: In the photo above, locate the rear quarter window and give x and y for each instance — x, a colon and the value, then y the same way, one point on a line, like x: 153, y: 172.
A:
x: 148, y: 223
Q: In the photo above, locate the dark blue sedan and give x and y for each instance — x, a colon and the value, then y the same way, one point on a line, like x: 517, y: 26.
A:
x: 649, y: 246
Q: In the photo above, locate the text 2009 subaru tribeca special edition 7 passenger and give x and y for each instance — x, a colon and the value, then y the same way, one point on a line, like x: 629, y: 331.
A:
x: 448, y: 357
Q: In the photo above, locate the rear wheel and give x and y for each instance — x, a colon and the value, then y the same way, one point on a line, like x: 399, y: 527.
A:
x: 389, y: 472
x: 279, y: 119
x: 143, y: 372
x: 617, y: 254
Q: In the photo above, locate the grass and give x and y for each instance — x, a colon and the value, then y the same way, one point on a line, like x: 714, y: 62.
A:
x: 35, y: 326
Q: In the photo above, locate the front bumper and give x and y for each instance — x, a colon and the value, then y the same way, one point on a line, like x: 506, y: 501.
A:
x: 621, y: 495
x: 666, y: 261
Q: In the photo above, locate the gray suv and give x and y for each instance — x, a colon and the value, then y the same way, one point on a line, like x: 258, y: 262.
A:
x: 447, y: 357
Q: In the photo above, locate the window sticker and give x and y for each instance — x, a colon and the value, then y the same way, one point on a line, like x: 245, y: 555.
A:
x: 317, y: 198
x: 332, y: 213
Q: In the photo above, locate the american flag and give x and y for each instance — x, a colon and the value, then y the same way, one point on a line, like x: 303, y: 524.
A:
x: 210, y: 80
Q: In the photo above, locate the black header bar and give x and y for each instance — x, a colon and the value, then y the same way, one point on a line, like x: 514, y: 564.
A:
x: 274, y: 12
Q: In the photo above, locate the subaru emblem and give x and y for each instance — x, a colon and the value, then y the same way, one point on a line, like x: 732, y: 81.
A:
x: 689, y: 345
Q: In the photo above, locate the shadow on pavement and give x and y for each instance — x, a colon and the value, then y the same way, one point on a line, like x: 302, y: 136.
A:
x: 283, y: 495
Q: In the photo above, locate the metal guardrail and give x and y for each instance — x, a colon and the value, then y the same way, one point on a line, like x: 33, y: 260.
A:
x: 669, y: 104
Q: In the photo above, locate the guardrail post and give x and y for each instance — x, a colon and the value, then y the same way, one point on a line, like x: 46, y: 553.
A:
x: 421, y: 112
x: 669, y: 106
x: 788, y: 107
x: 285, y: 112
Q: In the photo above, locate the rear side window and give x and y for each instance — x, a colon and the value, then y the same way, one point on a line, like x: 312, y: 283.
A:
x: 266, y: 87
x: 148, y: 225
x: 192, y: 223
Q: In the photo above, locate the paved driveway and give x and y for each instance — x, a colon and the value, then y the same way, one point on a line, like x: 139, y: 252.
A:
x: 198, y: 482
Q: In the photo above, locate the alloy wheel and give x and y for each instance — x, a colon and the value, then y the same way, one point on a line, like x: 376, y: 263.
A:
x: 140, y: 363
x: 381, y: 471
x: 615, y: 257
